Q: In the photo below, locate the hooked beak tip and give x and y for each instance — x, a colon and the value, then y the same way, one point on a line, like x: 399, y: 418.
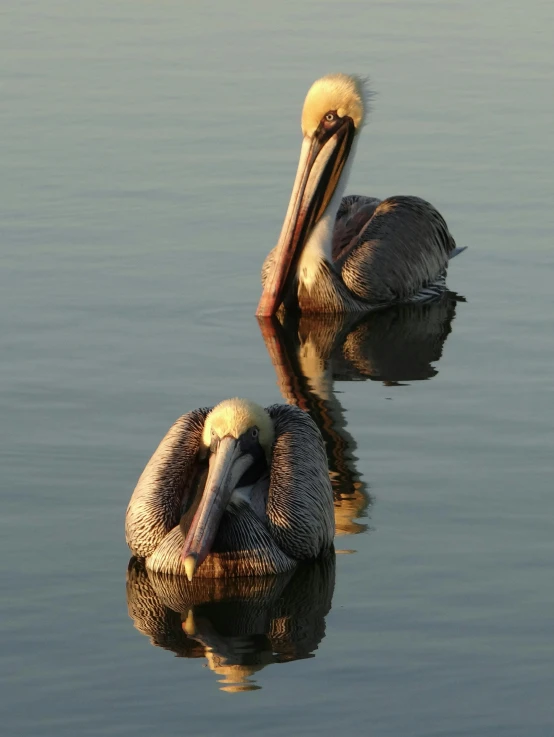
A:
x: 190, y: 565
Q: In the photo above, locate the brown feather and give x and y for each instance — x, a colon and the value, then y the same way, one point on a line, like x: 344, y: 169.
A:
x: 404, y: 247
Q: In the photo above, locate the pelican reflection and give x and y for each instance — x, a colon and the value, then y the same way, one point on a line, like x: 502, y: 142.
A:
x: 311, y: 352
x: 240, y: 625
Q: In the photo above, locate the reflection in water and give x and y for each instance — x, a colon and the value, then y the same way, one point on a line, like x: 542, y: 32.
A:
x: 310, y: 352
x: 239, y: 625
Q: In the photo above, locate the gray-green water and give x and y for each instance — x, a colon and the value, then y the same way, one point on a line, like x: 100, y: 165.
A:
x: 147, y: 154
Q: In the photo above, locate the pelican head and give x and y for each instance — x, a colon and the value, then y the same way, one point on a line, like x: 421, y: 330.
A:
x: 237, y: 439
x: 332, y: 115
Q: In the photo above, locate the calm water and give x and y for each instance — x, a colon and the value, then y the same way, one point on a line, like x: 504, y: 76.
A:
x: 147, y: 154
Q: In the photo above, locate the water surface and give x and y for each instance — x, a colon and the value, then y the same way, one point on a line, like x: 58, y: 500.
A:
x: 148, y: 151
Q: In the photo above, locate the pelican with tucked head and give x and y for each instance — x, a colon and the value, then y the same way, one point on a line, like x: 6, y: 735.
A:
x: 236, y: 490
x: 345, y: 254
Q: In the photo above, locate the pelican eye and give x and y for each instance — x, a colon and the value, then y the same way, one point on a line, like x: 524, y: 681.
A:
x: 330, y: 117
x: 214, y: 434
x: 254, y: 432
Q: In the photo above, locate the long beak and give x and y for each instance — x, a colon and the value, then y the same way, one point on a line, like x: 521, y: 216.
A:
x: 322, y: 159
x: 227, y: 465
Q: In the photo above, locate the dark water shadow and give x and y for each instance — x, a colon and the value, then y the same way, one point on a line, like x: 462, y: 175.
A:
x: 311, y: 352
x: 239, y: 625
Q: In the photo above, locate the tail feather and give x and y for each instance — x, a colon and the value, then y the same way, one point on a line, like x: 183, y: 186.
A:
x: 456, y: 251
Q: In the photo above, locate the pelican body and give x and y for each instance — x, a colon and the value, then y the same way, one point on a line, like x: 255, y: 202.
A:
x: 341, y: 254
x: 236, y: 490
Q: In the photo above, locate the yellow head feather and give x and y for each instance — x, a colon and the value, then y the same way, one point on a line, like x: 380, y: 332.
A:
x: 234, y: 417
x: 341, y: 92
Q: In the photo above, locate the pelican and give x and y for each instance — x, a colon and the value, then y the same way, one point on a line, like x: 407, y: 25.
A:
x: 349, y: 254
x: 236, y: 490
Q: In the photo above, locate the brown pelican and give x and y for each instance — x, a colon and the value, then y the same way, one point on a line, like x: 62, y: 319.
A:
x: 240, y: 625
x: 233, y: 491
x: 349, y: 254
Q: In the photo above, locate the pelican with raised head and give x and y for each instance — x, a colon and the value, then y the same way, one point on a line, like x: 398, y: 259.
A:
x: 236, y: 490
x: 349, y: 254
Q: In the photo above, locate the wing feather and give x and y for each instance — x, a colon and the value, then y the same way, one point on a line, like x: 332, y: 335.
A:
x: 300, y: 503
x: 161, y: 488
x: 404, y: 247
